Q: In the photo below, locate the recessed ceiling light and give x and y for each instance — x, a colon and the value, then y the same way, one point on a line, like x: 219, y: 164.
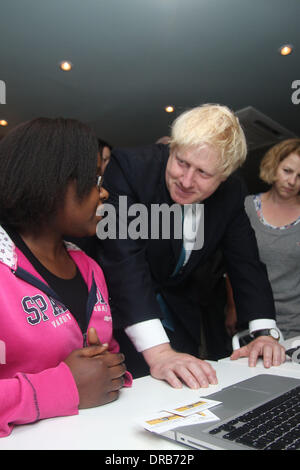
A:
x: 65, y: 65
x: 3, y: 123
x: 169, y: 109
x: 286, y: 49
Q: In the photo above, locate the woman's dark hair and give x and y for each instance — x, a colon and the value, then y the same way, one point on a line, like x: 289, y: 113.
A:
x: 38, y: 159
x: 101, y: 144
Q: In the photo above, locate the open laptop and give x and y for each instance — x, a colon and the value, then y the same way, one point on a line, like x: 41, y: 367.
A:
x: 262, y: 412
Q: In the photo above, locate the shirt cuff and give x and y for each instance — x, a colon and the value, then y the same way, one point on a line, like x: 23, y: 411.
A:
x: 147, y: 334
x: 262, y: 324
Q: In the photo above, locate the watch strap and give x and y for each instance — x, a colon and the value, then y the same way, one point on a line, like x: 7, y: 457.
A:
x: 264, y: 332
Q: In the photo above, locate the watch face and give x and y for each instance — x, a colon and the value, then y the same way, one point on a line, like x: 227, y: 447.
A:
x: 274, y: 333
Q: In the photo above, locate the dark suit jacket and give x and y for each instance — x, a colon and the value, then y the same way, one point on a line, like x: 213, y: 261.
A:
x: 136, y: 270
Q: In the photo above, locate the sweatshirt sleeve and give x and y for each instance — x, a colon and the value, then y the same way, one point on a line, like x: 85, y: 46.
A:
x: 27, y: 398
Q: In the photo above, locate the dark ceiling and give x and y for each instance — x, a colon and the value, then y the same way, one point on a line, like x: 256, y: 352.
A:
x: 131, y: 58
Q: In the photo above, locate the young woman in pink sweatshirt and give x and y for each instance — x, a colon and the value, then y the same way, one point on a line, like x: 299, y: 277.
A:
x: 57, y: 352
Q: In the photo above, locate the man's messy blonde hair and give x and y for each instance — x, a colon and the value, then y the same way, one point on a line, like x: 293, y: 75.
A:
x: 216, y: 126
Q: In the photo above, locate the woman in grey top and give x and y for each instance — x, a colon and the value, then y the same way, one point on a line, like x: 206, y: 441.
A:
x: 275, y: 217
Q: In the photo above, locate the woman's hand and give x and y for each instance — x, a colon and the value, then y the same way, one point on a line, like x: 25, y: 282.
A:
x: 98, y: 374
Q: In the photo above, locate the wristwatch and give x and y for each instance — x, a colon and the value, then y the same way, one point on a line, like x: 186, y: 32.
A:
x: 273, y: 332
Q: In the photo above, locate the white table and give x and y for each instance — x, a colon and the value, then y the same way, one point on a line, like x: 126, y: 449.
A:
x: 115, y: 426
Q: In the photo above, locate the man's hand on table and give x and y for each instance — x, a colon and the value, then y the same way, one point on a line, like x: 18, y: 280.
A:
x: 269, y: 349
x: 177, y: 368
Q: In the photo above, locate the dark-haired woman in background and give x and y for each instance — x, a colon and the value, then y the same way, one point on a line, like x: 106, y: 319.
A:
x: 105, y: 152
x: 57, y: 353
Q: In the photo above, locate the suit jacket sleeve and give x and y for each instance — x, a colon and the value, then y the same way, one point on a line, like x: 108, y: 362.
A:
x: 248, y: 275
x: 124, y: 262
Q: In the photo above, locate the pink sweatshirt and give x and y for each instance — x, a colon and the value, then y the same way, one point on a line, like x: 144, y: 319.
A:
x: 37, y: 333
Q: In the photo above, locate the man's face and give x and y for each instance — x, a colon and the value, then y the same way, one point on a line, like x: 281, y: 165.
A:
x: 192, y: 174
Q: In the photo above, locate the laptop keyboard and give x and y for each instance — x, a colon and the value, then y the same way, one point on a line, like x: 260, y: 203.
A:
x: 272, y: 426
